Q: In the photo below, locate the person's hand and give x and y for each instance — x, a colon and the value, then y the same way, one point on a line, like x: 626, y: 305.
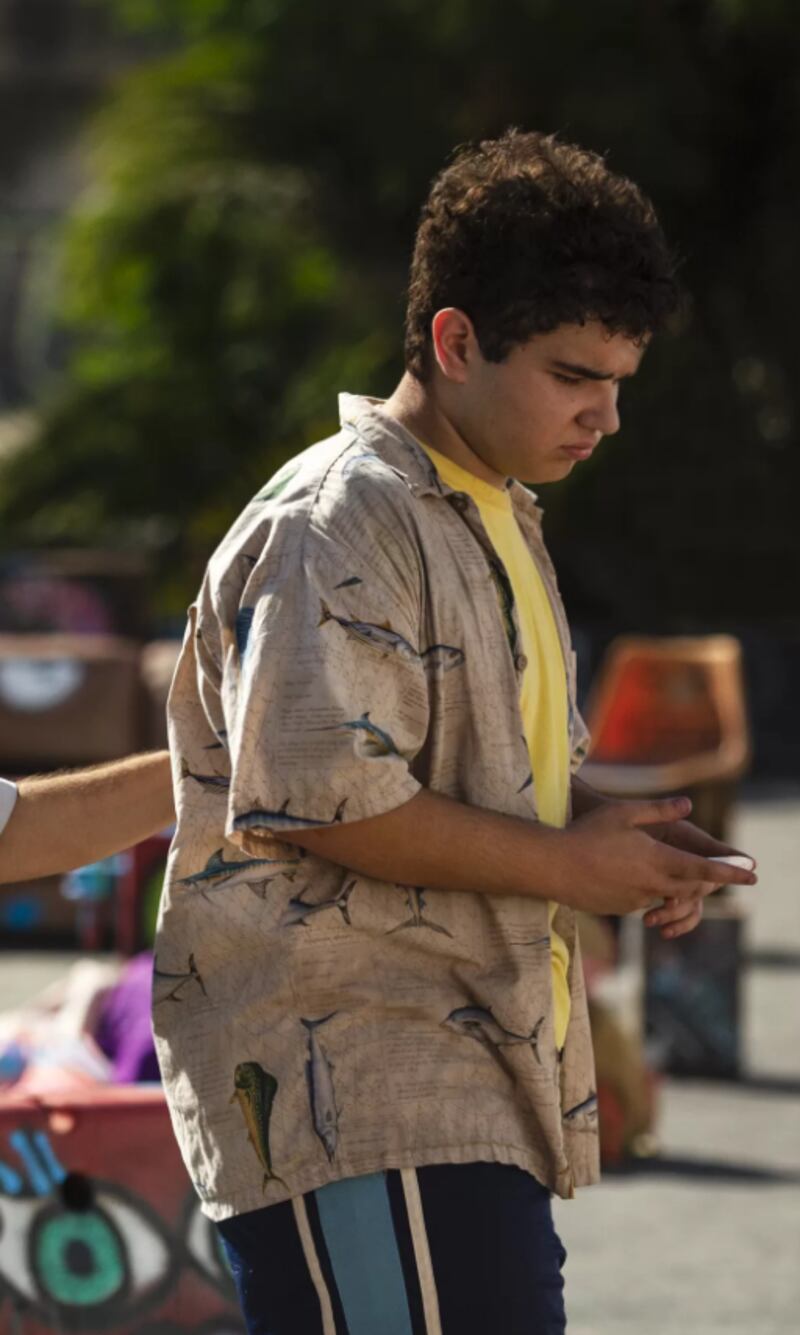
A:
x: 613, y: 864
x: 676, y: 917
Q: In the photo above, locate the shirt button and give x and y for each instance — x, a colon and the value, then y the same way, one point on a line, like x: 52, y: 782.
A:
x: 520, y: 662
x: 460, y: 501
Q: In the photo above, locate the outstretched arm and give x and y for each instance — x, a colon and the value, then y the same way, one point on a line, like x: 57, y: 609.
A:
x: 64, y: 820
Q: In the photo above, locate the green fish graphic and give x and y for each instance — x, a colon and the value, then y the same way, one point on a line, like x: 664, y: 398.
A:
x: 278, y: 483
x: 254, y: 1091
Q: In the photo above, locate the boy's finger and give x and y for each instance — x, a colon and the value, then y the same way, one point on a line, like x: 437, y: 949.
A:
x: 689, y: 867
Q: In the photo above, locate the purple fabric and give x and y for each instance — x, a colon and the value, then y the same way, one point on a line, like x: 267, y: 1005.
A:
x: 124, y: 1032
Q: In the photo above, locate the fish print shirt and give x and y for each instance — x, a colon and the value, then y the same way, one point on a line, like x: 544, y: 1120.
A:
x: 356, y: 639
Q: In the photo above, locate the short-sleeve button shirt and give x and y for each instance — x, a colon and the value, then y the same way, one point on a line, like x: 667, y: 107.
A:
x: 355, y: 639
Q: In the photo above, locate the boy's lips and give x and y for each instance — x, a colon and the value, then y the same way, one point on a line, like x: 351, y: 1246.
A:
x: 577, y: 451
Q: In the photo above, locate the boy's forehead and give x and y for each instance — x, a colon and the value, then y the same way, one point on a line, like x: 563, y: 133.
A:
x: 590, y: 347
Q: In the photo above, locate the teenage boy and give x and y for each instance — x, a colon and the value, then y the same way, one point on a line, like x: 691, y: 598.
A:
x: 378, y: 1060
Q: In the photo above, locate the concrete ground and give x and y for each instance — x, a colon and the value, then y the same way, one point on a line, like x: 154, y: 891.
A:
x: 707, y: 1238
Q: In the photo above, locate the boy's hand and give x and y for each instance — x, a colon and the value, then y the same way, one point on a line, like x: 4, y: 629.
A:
x: 615, y: 864
x: 676, y: 917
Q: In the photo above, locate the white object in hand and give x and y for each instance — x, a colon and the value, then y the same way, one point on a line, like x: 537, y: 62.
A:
x: 733, y: 860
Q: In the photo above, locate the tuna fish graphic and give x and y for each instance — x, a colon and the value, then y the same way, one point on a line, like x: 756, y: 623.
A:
x: 319, y: 1069
x: 298, y: 911
x: 442, y: 658
x: 416, y: 903
x: 215, y: 783
x: 254, y: 1091
x: 217, y: 870
x: 192, y: 974
x: 479, y: 1023
x: 374, y: 741
x: 385, y: 639
x: 587, y: 1110
x: 262, y: 816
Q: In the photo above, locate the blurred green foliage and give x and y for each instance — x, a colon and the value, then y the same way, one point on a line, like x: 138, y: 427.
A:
x: 241, y: 256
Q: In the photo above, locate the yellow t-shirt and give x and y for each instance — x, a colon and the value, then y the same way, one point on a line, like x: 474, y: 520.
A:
x: 543, y: 693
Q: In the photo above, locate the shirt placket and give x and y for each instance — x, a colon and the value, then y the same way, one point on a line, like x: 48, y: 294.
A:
x: 468, y: 510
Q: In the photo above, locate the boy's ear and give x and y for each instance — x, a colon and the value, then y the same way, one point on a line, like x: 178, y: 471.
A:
x: 454, y: 343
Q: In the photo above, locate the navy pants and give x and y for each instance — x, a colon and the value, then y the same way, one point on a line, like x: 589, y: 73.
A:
x: 447, y: 1250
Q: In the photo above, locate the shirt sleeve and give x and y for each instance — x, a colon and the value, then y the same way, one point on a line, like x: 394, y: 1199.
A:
x: 324, y: 692
x: 8, y: 800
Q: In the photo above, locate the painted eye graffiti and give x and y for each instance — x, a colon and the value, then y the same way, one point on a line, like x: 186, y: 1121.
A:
x: 81, y: 1268
x: 205, y: 1248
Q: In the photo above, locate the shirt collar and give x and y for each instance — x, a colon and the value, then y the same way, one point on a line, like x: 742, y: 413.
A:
x: 397, y: 446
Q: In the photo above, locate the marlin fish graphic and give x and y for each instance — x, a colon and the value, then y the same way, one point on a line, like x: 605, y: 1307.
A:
x: 374, y: 740
x: 244, y: 621
x: 298, y: 911
x: 217, y: 783
x: 416, y: 903
x: 319, y: 1073
x: 260, y: 888
x: 587, y: 1109
x: 479, y: 1023
x: 283, y: 816
x: 180, y: 979
x: 385, y: 639
x: 217, y: 870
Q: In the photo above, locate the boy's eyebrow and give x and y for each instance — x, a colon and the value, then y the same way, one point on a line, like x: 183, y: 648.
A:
x: 586, y: 372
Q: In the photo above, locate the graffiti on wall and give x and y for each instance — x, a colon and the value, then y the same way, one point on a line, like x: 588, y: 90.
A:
x: 82, y: 1252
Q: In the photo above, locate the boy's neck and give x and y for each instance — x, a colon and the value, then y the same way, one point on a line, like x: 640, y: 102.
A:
x: 414, y: 406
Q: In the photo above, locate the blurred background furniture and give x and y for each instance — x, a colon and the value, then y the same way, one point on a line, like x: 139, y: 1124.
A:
x: 667, y: 716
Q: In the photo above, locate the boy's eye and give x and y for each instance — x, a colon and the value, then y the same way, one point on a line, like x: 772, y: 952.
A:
x: 567, y: 379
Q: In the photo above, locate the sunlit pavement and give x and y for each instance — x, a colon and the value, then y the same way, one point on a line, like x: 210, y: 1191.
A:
x: 707, y: 1239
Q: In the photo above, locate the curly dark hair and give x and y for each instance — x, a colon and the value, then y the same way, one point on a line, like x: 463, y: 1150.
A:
x: 525, y: 233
